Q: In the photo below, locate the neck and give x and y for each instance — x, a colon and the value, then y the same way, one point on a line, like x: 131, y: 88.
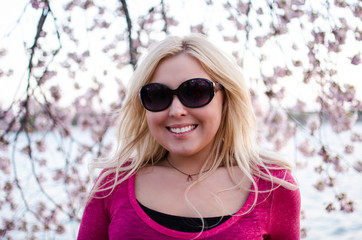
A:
x: 188, y: 165
x: 190, y: 176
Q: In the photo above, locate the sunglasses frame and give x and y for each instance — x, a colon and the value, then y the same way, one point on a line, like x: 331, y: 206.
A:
x: 215, y: 87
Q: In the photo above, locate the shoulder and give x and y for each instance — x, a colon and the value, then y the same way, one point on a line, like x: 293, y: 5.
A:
x: 279, y: 184
x: 285, y: 184
x: 108, y: 181
x: 284, y: 188
x: 276, y: 174
x: 283, y: 174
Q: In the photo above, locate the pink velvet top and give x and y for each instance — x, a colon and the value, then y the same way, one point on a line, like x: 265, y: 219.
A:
x: 119, y: 216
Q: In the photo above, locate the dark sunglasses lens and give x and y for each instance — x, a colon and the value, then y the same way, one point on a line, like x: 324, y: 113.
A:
x: 196, y: 93
x: 155, y: 97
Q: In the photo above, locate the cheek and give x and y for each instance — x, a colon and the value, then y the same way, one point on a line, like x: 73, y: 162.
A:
x: 150, y: 119
x: 154, y: 120
x: 213, y: 113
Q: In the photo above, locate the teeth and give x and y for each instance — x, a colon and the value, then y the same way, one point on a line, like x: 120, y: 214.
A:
x: 183, y: 129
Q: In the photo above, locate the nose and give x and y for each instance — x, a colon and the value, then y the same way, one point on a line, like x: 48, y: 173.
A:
x: 177, y: 109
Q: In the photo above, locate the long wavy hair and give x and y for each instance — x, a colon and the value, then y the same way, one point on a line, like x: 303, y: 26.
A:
x: 235, y: 141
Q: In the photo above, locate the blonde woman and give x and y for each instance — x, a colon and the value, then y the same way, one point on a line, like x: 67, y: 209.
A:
x: 187, y: 164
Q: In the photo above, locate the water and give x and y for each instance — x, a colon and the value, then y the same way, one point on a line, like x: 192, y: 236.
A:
x: 335, y: 225
x: 318, y: 223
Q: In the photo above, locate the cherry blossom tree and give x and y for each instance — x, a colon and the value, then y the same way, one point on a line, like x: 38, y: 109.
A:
x: 75, y: 57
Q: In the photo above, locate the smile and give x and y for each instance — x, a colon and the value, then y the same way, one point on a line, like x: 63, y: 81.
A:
x: 183, y: 129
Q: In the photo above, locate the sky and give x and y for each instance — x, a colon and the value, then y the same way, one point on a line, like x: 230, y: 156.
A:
x: 17, y: 58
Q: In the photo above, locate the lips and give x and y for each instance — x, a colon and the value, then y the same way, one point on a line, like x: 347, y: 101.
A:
x: 184, y: 129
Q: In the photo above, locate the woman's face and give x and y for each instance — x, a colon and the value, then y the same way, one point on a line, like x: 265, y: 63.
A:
x: 179, y: 129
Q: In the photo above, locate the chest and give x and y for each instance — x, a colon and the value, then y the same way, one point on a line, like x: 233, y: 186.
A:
x: 212, y: 197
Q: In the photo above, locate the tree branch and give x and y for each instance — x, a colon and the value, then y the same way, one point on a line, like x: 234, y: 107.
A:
x: 41, y: 22
x: 132, y: 50
x: 163, y: 12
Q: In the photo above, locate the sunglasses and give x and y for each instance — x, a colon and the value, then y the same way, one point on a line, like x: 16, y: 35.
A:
x: 193, y: 93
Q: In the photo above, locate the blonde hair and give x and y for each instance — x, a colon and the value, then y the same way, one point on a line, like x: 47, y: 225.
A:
x: 235, y: 141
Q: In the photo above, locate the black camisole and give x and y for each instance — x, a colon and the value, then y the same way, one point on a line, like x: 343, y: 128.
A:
x: 183, y: 224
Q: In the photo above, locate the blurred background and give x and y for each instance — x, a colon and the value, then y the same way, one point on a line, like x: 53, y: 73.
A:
x: 64, y: 70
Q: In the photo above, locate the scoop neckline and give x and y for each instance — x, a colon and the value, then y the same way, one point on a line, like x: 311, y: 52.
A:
x: 178, y: 234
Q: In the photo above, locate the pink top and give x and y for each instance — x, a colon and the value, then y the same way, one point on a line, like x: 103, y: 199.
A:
x: 119, y: 216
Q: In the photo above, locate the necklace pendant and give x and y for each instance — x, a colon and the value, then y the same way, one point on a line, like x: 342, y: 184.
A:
x: 189, y: 178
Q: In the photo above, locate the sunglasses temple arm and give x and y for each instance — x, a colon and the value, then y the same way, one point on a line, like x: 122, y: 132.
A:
x: 217, y: 86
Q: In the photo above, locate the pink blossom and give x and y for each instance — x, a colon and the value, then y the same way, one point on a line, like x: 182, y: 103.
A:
x: 35, y: 4
x: 260, y: 40
x: 59, y: 174
x: 243, y: 7
x: 340, y: 3
x: 75, y: 58
x: 280, y: 93
x: 26, y: 150
x: 65, y: 64
x: 356, y: 137
x: 41, y: 122
x: 220, y: 27
x: 356, y: 59
x: 281, y: 72
x: 60, y: 229
x: 87, y: 4
x: 303, y: 233
x: 358, y: 166
x: 313, y: 16
x: 318, y: 37
x: 297, y: 63
x: 345, y: 204
x: 330, y: 182
x: 43, y: 162
x: 297, y: 13
x: 55, y: 92
x: 3, y: 52
x: 333, y: 47
x: 307, y: 76
x: 227, y: 5
x: 5, y: 165
x: 260, y: 11
x: 358, y: 34
x: 240, y: 26
x: 349, y: 93
x: 96, y: 135
x: 313, y: 125
x: 300, y: 105
x: 340, y: 35
x: 342, y: 121
x: 320, y: 186
x: 306, y: 149
x: 233, y: 39
x: 330, y: 207
x: 357, y: 11
x: 198, y: 28
x: 270, y: 80
x: 41, y: 146
x: 349, y: 149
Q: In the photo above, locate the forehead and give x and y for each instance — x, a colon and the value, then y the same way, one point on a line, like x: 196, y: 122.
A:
x: 176, y: 69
